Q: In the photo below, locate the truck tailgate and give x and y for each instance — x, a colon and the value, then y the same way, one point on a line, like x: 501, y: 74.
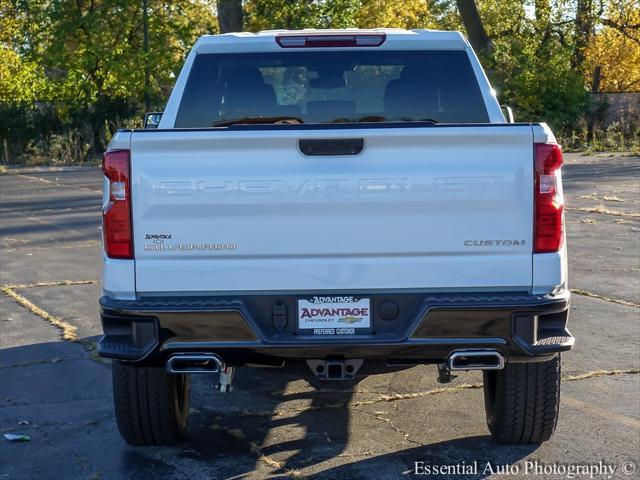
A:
x: 444, y: 207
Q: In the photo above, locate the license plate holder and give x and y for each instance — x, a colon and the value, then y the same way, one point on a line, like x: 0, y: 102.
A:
x: 334, y: 315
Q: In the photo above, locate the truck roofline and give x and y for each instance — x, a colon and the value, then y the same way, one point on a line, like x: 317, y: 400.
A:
x: 266, y: 38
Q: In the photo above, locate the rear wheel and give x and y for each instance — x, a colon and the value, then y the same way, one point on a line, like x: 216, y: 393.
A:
x: 152, y: 407
x: 522, y: 401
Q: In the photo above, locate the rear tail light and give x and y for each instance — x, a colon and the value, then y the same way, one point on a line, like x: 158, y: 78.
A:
x: 548, y: 231
x: 116, y: 215
x: 324, y: 40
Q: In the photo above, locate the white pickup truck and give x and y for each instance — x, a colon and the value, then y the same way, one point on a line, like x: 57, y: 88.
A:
x: 345, y: 202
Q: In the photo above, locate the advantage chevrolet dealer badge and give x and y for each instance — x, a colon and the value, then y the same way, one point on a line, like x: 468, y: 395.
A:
x: 334, y: 315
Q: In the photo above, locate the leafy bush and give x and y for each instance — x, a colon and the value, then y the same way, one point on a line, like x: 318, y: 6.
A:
x: 62, y: 132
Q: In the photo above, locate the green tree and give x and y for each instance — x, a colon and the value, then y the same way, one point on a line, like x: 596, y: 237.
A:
x: 529, y: 57
x: 98, y: 45
x: 615, y: 49
x: 22, y: 78
x: 395, y: 14
x: 86, y: 59
x: 292, y: 14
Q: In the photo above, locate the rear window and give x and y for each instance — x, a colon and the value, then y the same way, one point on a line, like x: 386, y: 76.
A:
x: 331, y: 87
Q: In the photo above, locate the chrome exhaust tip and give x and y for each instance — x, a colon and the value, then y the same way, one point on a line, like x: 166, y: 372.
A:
x: 180, y: 363
x: 475, y: 360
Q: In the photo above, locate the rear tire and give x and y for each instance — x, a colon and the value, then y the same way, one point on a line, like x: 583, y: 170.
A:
x: 152, y: 406
x: 522, y: 401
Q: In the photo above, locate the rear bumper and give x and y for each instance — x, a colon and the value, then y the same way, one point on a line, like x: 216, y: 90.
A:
x: 427, y: 328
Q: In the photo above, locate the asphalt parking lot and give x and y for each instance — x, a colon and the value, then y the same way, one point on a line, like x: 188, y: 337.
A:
x: 56, y: 390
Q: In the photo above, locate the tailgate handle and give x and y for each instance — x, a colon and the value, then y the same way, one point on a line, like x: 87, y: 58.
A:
x: 331, y: 146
